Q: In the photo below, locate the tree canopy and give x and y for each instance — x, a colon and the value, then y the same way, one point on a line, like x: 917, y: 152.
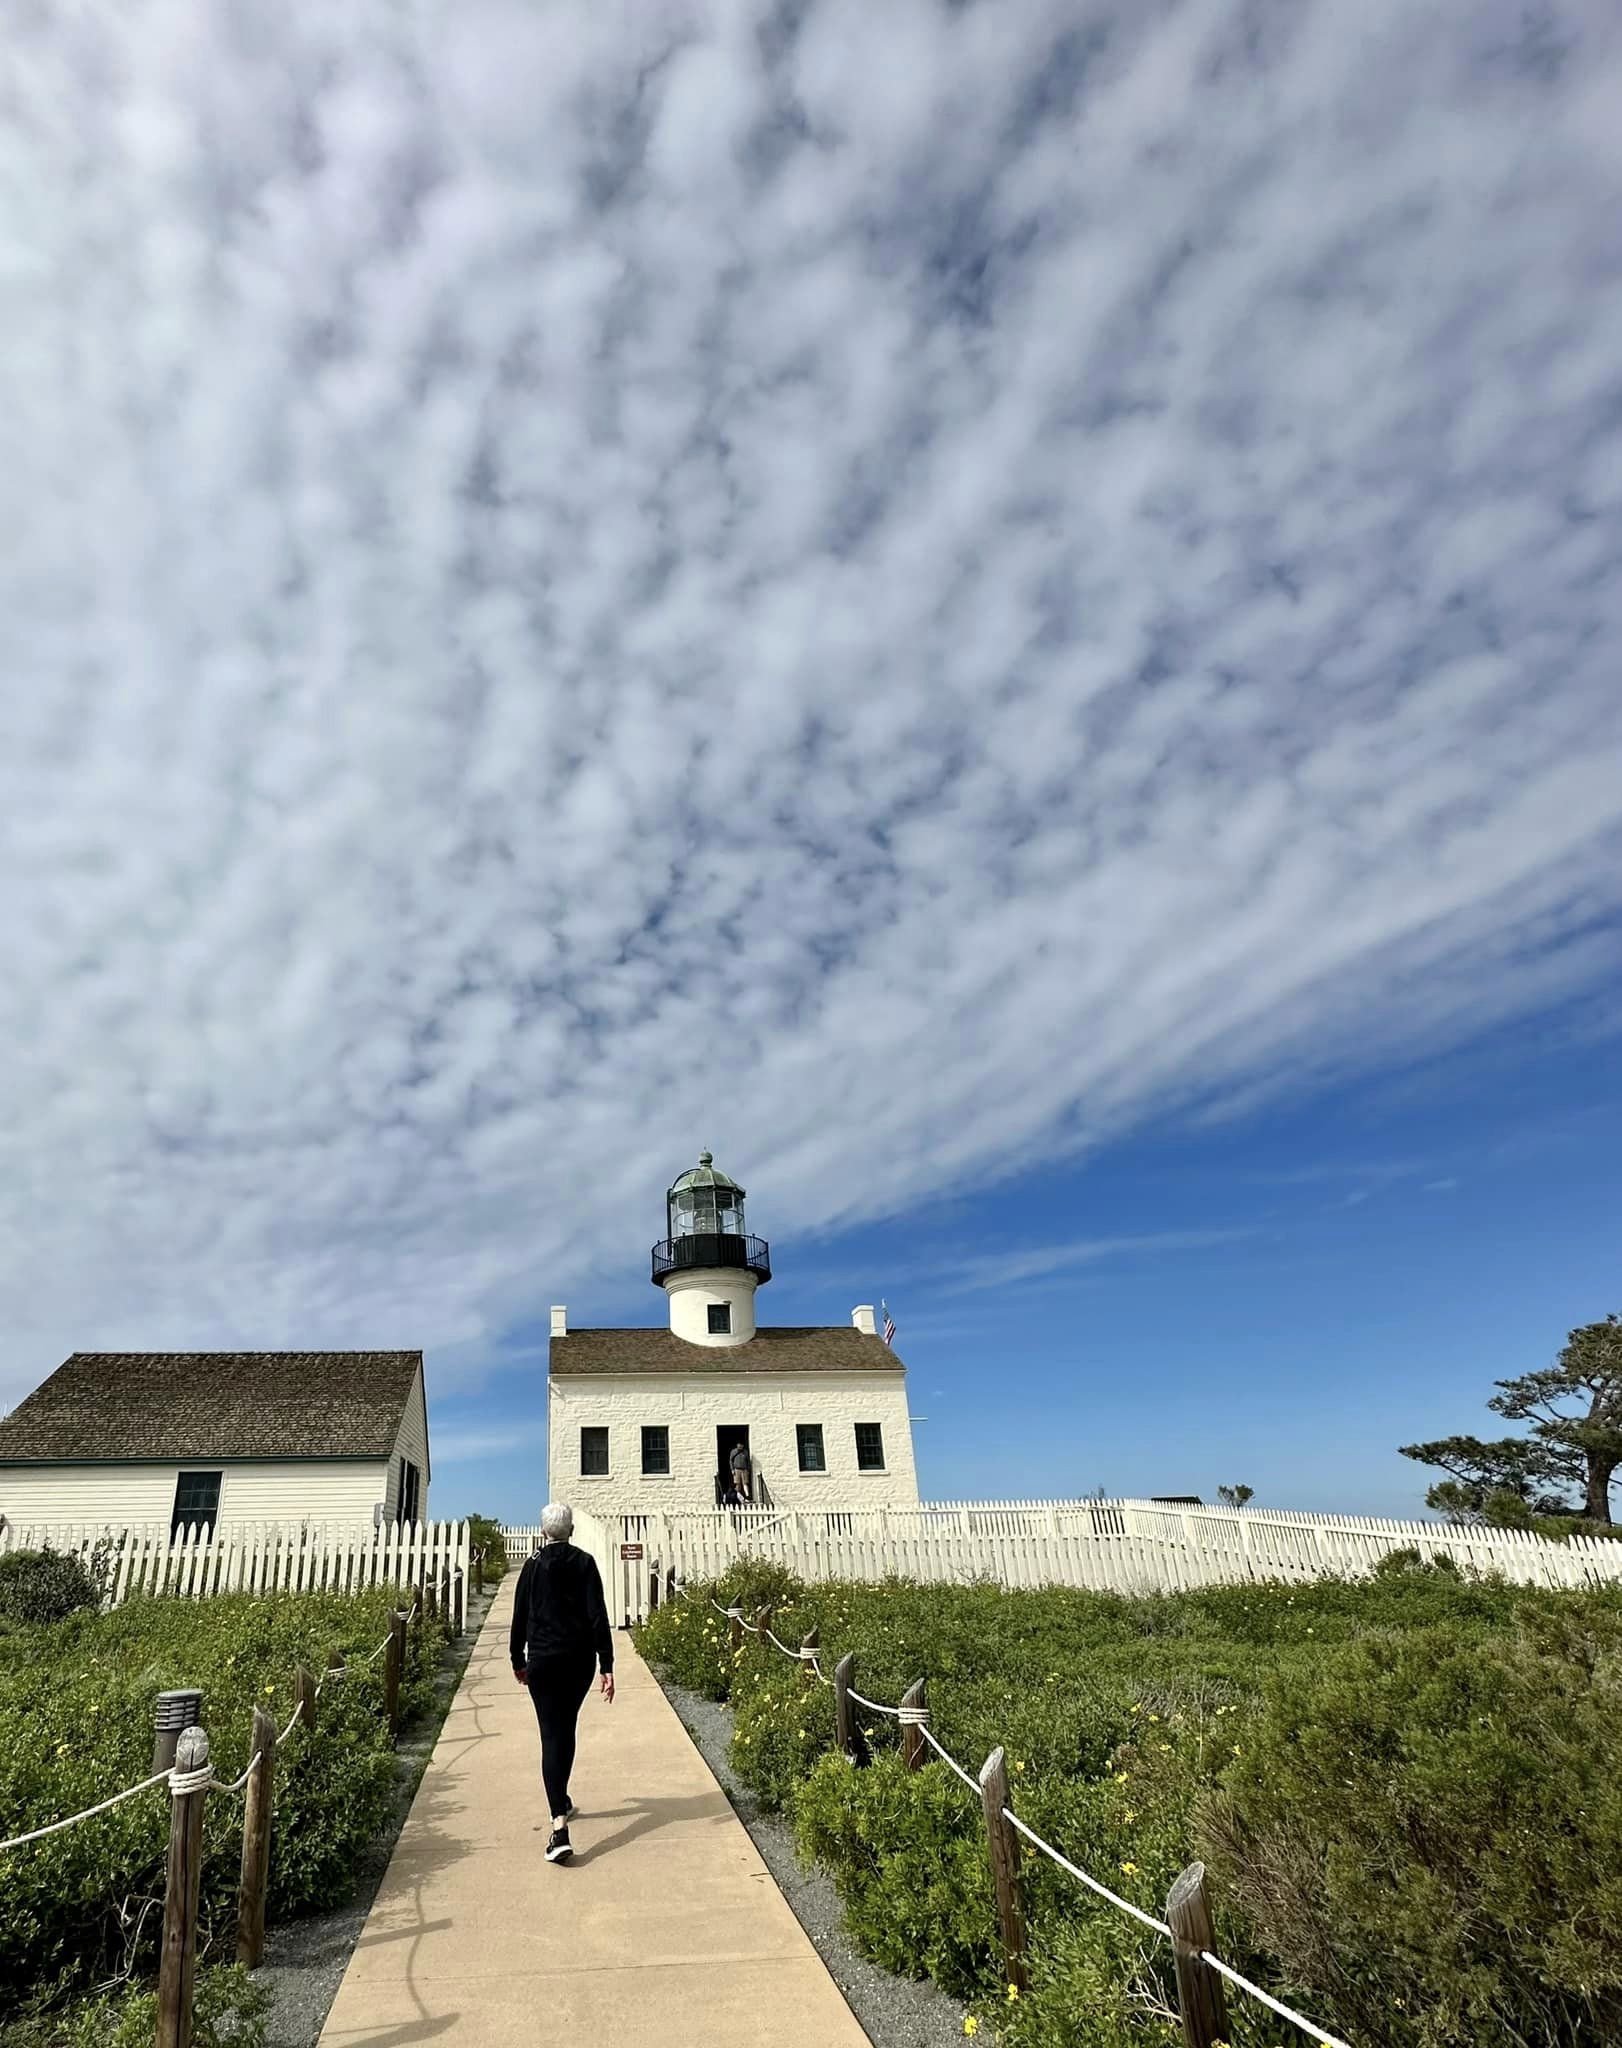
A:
x: 1566, y: 1464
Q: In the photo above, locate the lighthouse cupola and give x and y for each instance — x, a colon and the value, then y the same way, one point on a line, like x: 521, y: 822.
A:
x: 707, y: 1262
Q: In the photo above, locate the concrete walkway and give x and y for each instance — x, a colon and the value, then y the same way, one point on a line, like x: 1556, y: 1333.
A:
x: 667, y: 1927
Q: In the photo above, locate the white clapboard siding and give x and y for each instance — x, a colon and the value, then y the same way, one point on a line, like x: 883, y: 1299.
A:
x: 1122, y: 1546
x: 263, y: 1557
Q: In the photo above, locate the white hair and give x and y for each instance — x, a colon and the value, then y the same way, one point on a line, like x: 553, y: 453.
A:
x: 557, y: 1522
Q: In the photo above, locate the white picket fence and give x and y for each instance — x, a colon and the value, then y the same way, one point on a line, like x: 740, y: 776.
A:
x: 195, y: 1563
x: 1118, y: 1546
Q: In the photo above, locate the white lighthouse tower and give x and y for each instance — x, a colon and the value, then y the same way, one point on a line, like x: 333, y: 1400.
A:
x: 707, y: 1263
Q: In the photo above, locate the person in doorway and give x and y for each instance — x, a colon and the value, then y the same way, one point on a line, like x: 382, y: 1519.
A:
x: 740, y: 1473
x: 560, y: 1640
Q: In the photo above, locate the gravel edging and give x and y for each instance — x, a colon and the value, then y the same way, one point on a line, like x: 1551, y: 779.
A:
x: 894, y: 2012
x: 305, y: 1959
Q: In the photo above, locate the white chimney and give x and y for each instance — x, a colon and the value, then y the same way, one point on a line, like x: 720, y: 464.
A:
x: 863, y: 1319
x: 560, y: 1322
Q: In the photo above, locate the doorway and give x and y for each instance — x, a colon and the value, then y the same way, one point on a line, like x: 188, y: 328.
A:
x: 731, y: 1436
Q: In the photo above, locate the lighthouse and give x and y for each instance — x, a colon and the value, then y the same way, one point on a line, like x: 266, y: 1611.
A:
x: 714, y: 1407
x: 706, y: 1262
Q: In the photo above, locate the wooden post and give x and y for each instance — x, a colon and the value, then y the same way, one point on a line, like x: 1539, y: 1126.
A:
x: 735, y: 1627
x: 446, y: 1599
x: 256, y: 1843
x: 653, y: 1587
x: 304, y: 1694
x: 670, y: 1584
x: 914, y: 1749
x: 808, y: 1669
x: 763, y: 1622
x: 1003, y: 1847
x: 428, y: 1602
x: 1199, y: 1988
x: 457, y: 1606
x: 851, y: 1739
x: 478, y: 1571
x: 391, y: 1675
x: 335, y: 1663
x: 177, y: 1970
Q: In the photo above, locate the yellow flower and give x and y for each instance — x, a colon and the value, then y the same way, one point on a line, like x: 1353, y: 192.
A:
x: 1013, y: 1993
x: 1129, y: 1815
x: 1237, y: 1750
x: 1019, y: 1763
x: 1154, y: 1717
x: 970, y: 2024
x: 1129, y: 1870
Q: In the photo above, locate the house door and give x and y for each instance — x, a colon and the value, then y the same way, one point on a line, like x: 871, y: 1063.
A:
x: 732, y: 1479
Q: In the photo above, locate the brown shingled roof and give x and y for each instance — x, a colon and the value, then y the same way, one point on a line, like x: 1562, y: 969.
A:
x: 835, y: 1349
x: 124, y: 1405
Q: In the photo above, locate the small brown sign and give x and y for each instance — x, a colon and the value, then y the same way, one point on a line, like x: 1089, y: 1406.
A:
x: 630, y: 1553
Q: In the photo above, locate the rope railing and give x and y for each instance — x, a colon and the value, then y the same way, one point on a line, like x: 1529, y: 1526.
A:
x: 56, y: 1826
x: 911, y: 1715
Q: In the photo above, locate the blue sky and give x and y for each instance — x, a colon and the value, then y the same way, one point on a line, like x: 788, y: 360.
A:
x: 1015, y: 595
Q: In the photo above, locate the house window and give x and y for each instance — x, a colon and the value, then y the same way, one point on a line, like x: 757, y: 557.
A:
x: 408, y: 1508
x: 720, y: 1319
x: 809, y: 1436
x: 594, y: 1453
x: 655, y: 1447
x: 197, y: 1499
x: 869, y: 1447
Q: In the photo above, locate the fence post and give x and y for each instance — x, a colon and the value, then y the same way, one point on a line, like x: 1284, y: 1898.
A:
x: 1003, y: 1848
x: 478, y: 1571
x: 735, y: 1627
x: 428, y: 1598
x: 335, y: 1663
x: 304, y: 1694
x: 174, y: 1711
x: 391, y: 1675
x: 914, y: 1749
x: 851, y: 1739
x: 1199, y: 1988
x: 808, y: 1670
x: 457, y: 1602
x: 763, y: 1622
x: 256, y: 1842
x: 670, y: 1585
x: 177, y: 1971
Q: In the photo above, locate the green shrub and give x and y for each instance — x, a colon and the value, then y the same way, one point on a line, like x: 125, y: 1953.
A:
x: 76, y: 1701
x: 46, y: 1585
x: 228, y: 2011
x: 485, y: 1534
x: 1246, y: 1724
x: 1425, y: 1830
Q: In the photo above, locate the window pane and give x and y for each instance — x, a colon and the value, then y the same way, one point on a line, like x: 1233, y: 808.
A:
x: 655, y: 1448
x: 594, y: 1453
x: 810, y: 1438
x: 720, y: 1318
x: 197, y: 1499
x: 869, y: 1447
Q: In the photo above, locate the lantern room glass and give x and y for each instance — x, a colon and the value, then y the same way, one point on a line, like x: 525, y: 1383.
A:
x: 705, y: 1211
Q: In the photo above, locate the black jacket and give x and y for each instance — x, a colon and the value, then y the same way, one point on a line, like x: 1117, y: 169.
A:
x: 559, y: 1609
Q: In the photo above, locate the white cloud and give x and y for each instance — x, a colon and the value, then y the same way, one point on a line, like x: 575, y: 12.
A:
x: 890, y: 594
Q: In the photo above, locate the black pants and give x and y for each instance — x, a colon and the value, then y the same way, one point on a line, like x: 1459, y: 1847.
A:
x: 558, y: 1686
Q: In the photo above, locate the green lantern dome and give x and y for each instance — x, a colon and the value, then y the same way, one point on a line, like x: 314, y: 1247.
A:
x: 705, y: 1227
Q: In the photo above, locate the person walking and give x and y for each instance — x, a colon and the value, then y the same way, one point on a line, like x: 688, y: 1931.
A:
x: 560, y: 1639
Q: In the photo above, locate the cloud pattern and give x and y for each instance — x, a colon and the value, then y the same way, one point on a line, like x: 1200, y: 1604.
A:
x: 891, y: 590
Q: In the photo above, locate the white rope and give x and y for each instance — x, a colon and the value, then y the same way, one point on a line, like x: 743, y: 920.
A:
x: 1103, y: 1890
x: 893, y: 1713
x: 946, y: 1757
x: 56, y: 1826
x: 181, y: 1782
x: 1307, y: 2026
x: 913, y: 1717
x: 298, y: 1715
x: 787, y: 1652
x: 236, y: 1784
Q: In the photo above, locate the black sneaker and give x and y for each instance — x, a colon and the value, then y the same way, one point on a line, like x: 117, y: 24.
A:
x: 558, y: 1846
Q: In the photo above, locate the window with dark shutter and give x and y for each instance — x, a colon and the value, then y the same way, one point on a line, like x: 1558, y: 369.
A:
x: 594, y: 1453
x: 197, y: 1499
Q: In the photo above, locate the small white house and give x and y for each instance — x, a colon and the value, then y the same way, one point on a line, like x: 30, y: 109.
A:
x: 119, y: 1438
x: 714, y: 1407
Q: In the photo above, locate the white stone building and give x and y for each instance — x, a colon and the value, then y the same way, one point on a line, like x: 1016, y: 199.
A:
x: 646, y: 1421
x: 117, y: 1439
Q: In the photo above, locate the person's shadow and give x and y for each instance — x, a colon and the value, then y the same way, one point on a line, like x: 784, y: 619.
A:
x: 645, y: 1816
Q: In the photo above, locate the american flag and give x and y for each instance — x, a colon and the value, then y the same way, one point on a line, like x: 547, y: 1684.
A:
x: 889, y: 1323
